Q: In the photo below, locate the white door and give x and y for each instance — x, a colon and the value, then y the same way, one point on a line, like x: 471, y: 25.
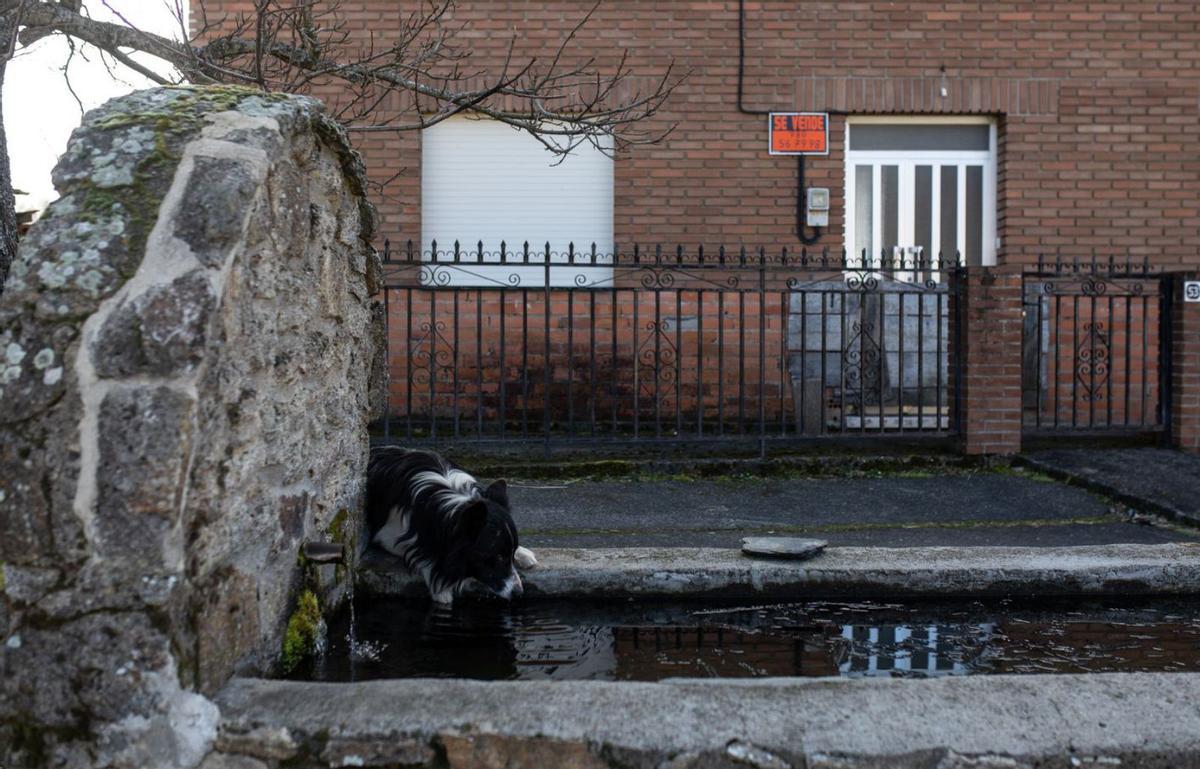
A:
x: 919, y: 189
x: 484, y: 181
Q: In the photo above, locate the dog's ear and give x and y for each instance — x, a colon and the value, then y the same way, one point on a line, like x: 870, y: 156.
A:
x: 498, y: 492
x: 471, y: 519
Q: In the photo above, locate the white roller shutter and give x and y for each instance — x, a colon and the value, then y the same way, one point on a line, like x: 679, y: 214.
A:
x: 484, y: 181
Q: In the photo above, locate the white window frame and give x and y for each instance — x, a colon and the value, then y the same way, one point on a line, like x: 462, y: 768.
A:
x: 907, y: 161
x: 487, y: 270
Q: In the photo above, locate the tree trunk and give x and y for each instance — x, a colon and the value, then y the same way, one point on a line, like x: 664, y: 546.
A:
x: 8, y: 205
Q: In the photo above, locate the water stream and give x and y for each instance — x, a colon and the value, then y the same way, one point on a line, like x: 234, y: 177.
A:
x: 629, y: 640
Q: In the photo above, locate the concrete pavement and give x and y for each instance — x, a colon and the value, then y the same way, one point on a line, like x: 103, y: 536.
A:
x: 1007, y: 507
x: 1131, y: 720
x: 1156, y: 480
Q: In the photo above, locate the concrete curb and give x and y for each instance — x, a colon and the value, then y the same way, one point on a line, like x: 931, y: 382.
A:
x: 859, y: 572
x: 1016, y: 722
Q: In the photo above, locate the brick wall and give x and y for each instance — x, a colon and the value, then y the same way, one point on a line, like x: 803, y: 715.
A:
x: 1185, y: 369
x: 991, y: 351
x: 1097, y: 106
x: 1096, y: 102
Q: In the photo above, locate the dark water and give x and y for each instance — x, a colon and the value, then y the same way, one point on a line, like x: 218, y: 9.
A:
x: 633, y: 641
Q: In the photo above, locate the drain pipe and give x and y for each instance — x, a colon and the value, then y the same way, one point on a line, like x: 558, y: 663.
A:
x: 324, y: 552
x: 801, y: 227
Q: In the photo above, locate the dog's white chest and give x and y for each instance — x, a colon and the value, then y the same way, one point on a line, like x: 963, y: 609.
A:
x: 392, y: 536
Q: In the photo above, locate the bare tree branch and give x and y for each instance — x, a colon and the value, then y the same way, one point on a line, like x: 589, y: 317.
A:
x: 413, y: 79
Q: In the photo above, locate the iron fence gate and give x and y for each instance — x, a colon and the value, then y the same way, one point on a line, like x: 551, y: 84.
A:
x: 556, y: 348
x: 1094, y: 348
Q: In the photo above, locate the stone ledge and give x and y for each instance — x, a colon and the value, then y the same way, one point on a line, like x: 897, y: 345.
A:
x: 860, y: 572
x: 1125, y: 719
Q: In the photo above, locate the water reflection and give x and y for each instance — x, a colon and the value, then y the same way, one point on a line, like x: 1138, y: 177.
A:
x: 492, y: 640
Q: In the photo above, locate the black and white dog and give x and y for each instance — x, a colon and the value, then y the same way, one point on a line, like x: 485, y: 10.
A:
x: 443, y: 523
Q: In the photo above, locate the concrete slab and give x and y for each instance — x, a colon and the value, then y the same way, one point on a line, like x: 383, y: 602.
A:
x: 1016, y: 722
x: 966, y: 534
x: 986, y: 508
x: 756, y: 502
x: 1171, y: 569
x: 1160, y: 481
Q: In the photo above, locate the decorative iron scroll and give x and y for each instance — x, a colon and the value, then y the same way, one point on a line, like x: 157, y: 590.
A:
x: 1091, y: 361
x: 860, y: 362
x: 656, y: 362
x: 433, y: 357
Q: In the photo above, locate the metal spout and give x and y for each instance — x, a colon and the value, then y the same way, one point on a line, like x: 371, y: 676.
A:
x: 324, y: 552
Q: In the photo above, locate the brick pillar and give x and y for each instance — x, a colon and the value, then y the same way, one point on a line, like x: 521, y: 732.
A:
x: 1185, y: 367
x: 990, y: 339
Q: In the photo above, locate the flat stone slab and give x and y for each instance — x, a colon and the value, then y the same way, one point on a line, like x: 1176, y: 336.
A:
x: 1015, y: 722
x: 1005, y: 535
x: 1154, y: 480
x: 859, y: 572
x: 982, y: 508
x: 787, y: 548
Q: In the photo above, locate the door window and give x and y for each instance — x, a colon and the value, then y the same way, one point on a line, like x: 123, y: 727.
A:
x: 917, y: 190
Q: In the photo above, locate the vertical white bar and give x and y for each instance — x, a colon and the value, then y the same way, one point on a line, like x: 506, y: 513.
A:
x: 876, y: 210
x: 935, y: 205
x: 849, y: 226
x: 906, y: 210
x: 962, y: 210
x: 989, y: 200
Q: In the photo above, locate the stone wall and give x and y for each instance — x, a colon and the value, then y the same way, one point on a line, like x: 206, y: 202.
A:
x: 185, y: 344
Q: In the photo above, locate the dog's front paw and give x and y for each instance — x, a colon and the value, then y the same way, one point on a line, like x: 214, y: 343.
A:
x: 524, y: 558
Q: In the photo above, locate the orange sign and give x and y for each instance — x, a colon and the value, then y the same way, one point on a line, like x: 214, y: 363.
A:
x: 799, y: 133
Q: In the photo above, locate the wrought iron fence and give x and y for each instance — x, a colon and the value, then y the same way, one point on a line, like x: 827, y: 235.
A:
x: 669, y: 346
x: 1093, y: 347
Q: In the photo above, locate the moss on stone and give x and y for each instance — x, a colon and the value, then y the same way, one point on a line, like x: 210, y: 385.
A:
x: 337, y: 527
x: 303, y: 632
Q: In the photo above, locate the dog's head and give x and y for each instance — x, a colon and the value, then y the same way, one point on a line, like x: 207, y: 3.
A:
x: 487, y: 540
